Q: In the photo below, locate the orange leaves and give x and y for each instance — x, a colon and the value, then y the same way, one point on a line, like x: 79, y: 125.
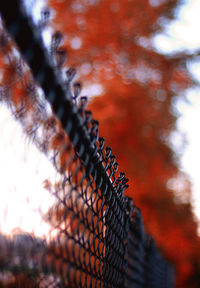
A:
x: 181, y: 79
x: 115, y: 38
x: 135, y: 110
x: 19, y: 97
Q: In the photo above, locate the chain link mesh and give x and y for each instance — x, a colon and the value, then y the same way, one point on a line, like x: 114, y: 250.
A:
x: 95, y: 237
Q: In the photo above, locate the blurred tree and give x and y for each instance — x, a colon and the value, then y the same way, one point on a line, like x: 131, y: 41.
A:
x: 110, y: 42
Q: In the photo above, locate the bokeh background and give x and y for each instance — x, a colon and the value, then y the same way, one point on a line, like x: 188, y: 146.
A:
x: 138, y: 61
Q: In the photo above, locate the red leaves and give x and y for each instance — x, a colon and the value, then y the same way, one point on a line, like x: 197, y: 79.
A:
x: 135, y: 111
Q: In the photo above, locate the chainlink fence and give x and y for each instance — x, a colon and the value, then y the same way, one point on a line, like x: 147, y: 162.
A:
x: 96, y: 236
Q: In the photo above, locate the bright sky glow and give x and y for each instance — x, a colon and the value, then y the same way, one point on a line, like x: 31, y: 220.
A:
x: 183, y: 35
x: 189, y: 124
x: 76, y: 43
x: 23, y: 169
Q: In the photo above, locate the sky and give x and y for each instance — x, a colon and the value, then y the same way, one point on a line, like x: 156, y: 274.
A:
x: 183, y: 35
x: 23, y: 171
x: 19, y: 208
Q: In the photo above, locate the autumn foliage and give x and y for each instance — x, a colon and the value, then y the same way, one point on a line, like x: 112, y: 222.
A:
x: 110, y: 44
